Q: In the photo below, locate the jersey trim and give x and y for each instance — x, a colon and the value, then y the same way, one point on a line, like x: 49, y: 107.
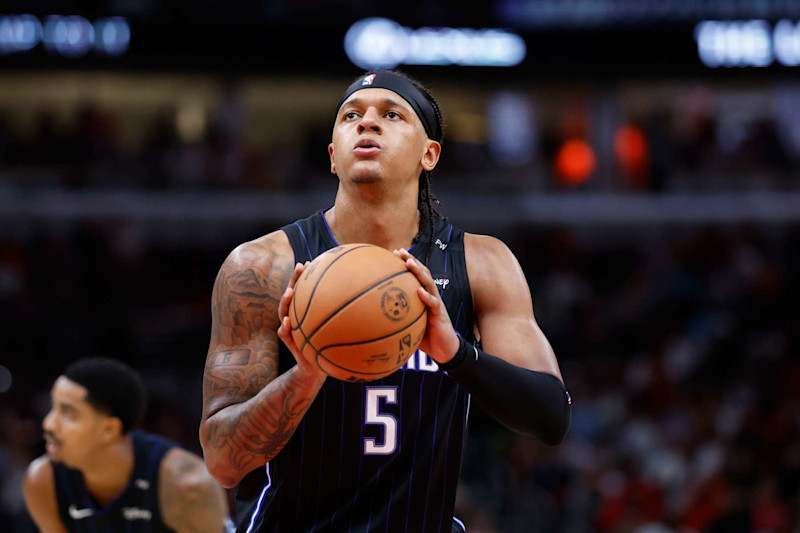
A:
x: 330, y: 233
x: 449, y: 235
x: 264, y: 491
x: 305, y: 240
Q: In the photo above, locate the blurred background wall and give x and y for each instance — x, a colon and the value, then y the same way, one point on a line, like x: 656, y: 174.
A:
x: 641, y: 159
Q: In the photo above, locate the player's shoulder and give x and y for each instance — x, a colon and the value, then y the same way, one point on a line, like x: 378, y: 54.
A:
x: 487, y: 249
x: 261, y: 257
x: 181, y: 467
x: 265, y: 249
x: 39, y: 491
x: 491, y: 264
x: 189, y: 498
x: 39, y: 475
x: 184, y: 482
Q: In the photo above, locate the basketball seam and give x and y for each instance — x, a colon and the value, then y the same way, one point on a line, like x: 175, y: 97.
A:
x: 318, y: 352
x: 316, y: 283
x: 351, y: 300
x: 376, y: 338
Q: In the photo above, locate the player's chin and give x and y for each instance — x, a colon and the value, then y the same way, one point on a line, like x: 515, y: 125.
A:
x: 362, y: 178
x: 56, y: 457
x: 366, y: 171
x: 366, y: 180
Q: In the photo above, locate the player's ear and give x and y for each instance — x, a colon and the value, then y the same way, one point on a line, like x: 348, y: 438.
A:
x: 431, y: 155
x: 111, y: 429
x: 333, y: 162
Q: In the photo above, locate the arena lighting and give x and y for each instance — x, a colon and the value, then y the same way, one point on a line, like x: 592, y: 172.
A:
x: 68, y: 36
x: 748, y: 43
x: 575, y: 162
x: 383, y: 43
x: 19, y: 33
x: 112, y: 36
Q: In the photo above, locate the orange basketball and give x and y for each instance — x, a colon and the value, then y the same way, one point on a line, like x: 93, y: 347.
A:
x: 356, y: 313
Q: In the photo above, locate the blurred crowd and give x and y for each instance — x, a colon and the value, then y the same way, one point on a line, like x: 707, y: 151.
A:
x: 681, y: 358
x: 510, y: 142
x: 680, y: 353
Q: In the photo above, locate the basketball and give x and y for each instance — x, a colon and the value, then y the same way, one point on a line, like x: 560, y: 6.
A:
x: 356, y: 313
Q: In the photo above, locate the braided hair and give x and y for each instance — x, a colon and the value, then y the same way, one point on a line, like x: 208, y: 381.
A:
x: 426, y: 199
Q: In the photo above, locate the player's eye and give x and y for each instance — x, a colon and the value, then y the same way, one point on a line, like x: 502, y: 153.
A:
x: 392, y: 114
x: 350, y: 115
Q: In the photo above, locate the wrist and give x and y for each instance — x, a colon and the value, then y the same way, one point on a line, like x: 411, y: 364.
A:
x: 309, y: 378
x: 464, y: 348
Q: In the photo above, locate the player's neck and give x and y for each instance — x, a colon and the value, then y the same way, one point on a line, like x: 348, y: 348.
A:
x: 390, y: 224
x: 110, y: 471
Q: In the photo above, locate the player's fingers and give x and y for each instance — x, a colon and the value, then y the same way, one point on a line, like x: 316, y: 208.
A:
x: 282, y: 330
x: 406, y: 256
x: 402, y: 253
x: 288, y: 294
x: 285, y: 334
x: 431, y: 300
x: 286, y: 299
x: 423, y: 274
x: 298, y: 271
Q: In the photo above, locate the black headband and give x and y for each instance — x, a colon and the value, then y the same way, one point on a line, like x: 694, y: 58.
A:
x: 406, y: 90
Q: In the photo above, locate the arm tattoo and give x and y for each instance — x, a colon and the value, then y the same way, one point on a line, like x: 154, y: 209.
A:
x: 246, y: 422
x: 255, y: 434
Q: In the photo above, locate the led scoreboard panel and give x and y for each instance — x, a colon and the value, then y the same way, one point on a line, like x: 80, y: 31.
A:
x: 523, y: 39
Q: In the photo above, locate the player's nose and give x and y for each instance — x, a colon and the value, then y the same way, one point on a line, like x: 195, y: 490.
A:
x: 369, y: 121
x: 49, y: 422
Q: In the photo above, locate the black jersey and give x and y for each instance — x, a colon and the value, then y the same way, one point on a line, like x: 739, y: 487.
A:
x: 136, y: 510
x: 381, y: 456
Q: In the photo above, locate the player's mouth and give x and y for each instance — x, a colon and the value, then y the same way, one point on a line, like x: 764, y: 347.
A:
x: 367, y: 147
x: 52, y: 444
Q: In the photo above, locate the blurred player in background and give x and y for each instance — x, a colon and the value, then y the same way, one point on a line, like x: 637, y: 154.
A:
x: 100, y: 474
x: 311, y: 453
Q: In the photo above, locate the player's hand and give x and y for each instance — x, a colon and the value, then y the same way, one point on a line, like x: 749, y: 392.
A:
x: 440, y: 340
x: 304, y: 366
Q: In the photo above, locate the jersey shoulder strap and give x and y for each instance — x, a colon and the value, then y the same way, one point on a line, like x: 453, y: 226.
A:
x: 150, y: 450
x: 309, y: 237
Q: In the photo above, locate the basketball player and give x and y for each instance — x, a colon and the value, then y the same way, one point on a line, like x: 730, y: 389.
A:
x: 100, y: 475
x: 310, y: 453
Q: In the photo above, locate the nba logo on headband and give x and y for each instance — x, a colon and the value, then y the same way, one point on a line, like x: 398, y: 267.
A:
x: 406, y: 90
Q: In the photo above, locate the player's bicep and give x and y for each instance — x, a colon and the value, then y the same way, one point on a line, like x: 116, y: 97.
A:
x: 243, y: 352
x: 504, y: 308
x: 38, y: 488
x: 190, y: 500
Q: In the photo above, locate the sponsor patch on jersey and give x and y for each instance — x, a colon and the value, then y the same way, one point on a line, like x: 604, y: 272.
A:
x: 134, y: 513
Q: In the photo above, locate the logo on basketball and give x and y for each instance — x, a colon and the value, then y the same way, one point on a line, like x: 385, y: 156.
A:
x: 394, y: 304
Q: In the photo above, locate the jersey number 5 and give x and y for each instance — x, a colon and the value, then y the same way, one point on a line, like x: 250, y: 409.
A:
x: 374, y: 416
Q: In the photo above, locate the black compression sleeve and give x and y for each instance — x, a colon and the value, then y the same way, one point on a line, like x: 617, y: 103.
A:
x: 533, y: 403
